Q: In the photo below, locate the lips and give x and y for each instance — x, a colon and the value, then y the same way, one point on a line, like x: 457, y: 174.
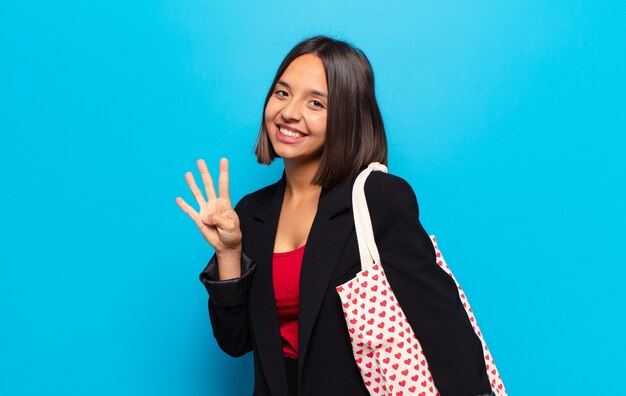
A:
x: 285, y: 135
x: 287, y: 129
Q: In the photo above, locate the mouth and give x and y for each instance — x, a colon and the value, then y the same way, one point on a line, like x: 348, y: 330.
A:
x: 291, y: 132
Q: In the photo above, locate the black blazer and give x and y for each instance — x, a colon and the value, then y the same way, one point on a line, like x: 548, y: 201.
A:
x: 243, y: 310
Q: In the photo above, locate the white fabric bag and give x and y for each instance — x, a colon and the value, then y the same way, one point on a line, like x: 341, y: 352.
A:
x: 386, y: 350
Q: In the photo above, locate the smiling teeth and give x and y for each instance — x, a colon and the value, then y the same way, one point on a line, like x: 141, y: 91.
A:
x: 290, y: 133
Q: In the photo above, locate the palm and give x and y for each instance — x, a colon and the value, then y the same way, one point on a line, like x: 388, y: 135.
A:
x: 219, y: 238
x: 217, y: 221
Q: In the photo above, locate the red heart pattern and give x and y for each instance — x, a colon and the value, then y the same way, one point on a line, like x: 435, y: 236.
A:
x: 384, y: 372
x: 389, y: 362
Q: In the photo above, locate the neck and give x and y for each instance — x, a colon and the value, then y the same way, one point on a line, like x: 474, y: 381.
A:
x: 298, y: 179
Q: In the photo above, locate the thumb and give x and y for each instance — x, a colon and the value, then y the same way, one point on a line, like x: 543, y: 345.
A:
x: 219, y: 221
x: 206, y: 219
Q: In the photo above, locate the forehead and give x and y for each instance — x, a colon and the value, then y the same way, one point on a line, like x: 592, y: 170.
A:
x: 306, y: 71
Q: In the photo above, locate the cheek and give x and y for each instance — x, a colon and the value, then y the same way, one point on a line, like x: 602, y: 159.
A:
x: 267, y: 115
x: 320, y: 123
x: 268, y: 120
x: 271, y: 110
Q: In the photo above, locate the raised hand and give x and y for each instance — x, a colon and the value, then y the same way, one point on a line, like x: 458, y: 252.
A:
x: 217, y: 220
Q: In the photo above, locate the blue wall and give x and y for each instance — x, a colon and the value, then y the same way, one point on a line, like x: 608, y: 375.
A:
x: 507, y: 118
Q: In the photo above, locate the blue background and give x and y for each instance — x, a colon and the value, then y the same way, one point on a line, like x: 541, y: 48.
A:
x: 507, y: 118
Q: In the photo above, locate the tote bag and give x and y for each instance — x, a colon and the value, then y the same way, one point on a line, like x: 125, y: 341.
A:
x: 389, y: 355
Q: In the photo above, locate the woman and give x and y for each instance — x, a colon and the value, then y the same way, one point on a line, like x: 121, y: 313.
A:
x: 280, y: 253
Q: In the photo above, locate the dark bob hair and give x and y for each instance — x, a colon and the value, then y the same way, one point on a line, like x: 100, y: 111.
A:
x: 355, y: 134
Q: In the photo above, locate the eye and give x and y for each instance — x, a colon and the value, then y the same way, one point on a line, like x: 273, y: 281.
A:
x: 281, y: 92
x: 317, y: 103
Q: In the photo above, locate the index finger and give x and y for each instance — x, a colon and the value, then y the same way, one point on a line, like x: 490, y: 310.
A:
x: 223, y: 179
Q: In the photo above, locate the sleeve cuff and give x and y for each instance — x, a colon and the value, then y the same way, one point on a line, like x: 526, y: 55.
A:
x: 229, y: 292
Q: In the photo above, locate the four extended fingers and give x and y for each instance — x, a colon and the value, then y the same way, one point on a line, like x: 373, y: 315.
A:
x: 210, y: 191
x: 208, y: 185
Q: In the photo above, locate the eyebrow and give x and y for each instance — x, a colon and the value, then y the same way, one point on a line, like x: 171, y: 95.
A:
x: 313, y: 91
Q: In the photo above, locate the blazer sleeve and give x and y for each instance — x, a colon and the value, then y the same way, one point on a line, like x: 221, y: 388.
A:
x: 228, y: 304
x: 428, y: 296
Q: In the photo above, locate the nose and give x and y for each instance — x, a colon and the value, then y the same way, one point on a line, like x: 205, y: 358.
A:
x: 291, y: 111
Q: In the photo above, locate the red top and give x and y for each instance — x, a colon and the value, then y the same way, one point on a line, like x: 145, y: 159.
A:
x: 286, y: 275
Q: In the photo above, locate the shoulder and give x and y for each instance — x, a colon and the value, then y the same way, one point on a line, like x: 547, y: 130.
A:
x: 381, y: 181
x: 381, y: 185
x: 385, y: 191
x: 251, y: 201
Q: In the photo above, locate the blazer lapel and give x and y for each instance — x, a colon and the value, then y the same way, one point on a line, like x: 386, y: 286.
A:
x: 328, y: 236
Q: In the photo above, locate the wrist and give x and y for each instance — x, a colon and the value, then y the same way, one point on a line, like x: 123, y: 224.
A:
x: 229, y: 253
x: 229, y: 264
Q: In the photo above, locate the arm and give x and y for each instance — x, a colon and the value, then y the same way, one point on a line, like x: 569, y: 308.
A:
x: 228, y: 306
x: 427, y: 295
x: 228, y: 289
x: 228, y: 301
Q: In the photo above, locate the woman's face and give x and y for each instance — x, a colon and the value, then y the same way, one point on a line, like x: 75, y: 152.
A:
x: 295, y: 115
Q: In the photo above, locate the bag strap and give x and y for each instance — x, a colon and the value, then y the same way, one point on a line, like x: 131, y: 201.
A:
x: 362, y: 221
